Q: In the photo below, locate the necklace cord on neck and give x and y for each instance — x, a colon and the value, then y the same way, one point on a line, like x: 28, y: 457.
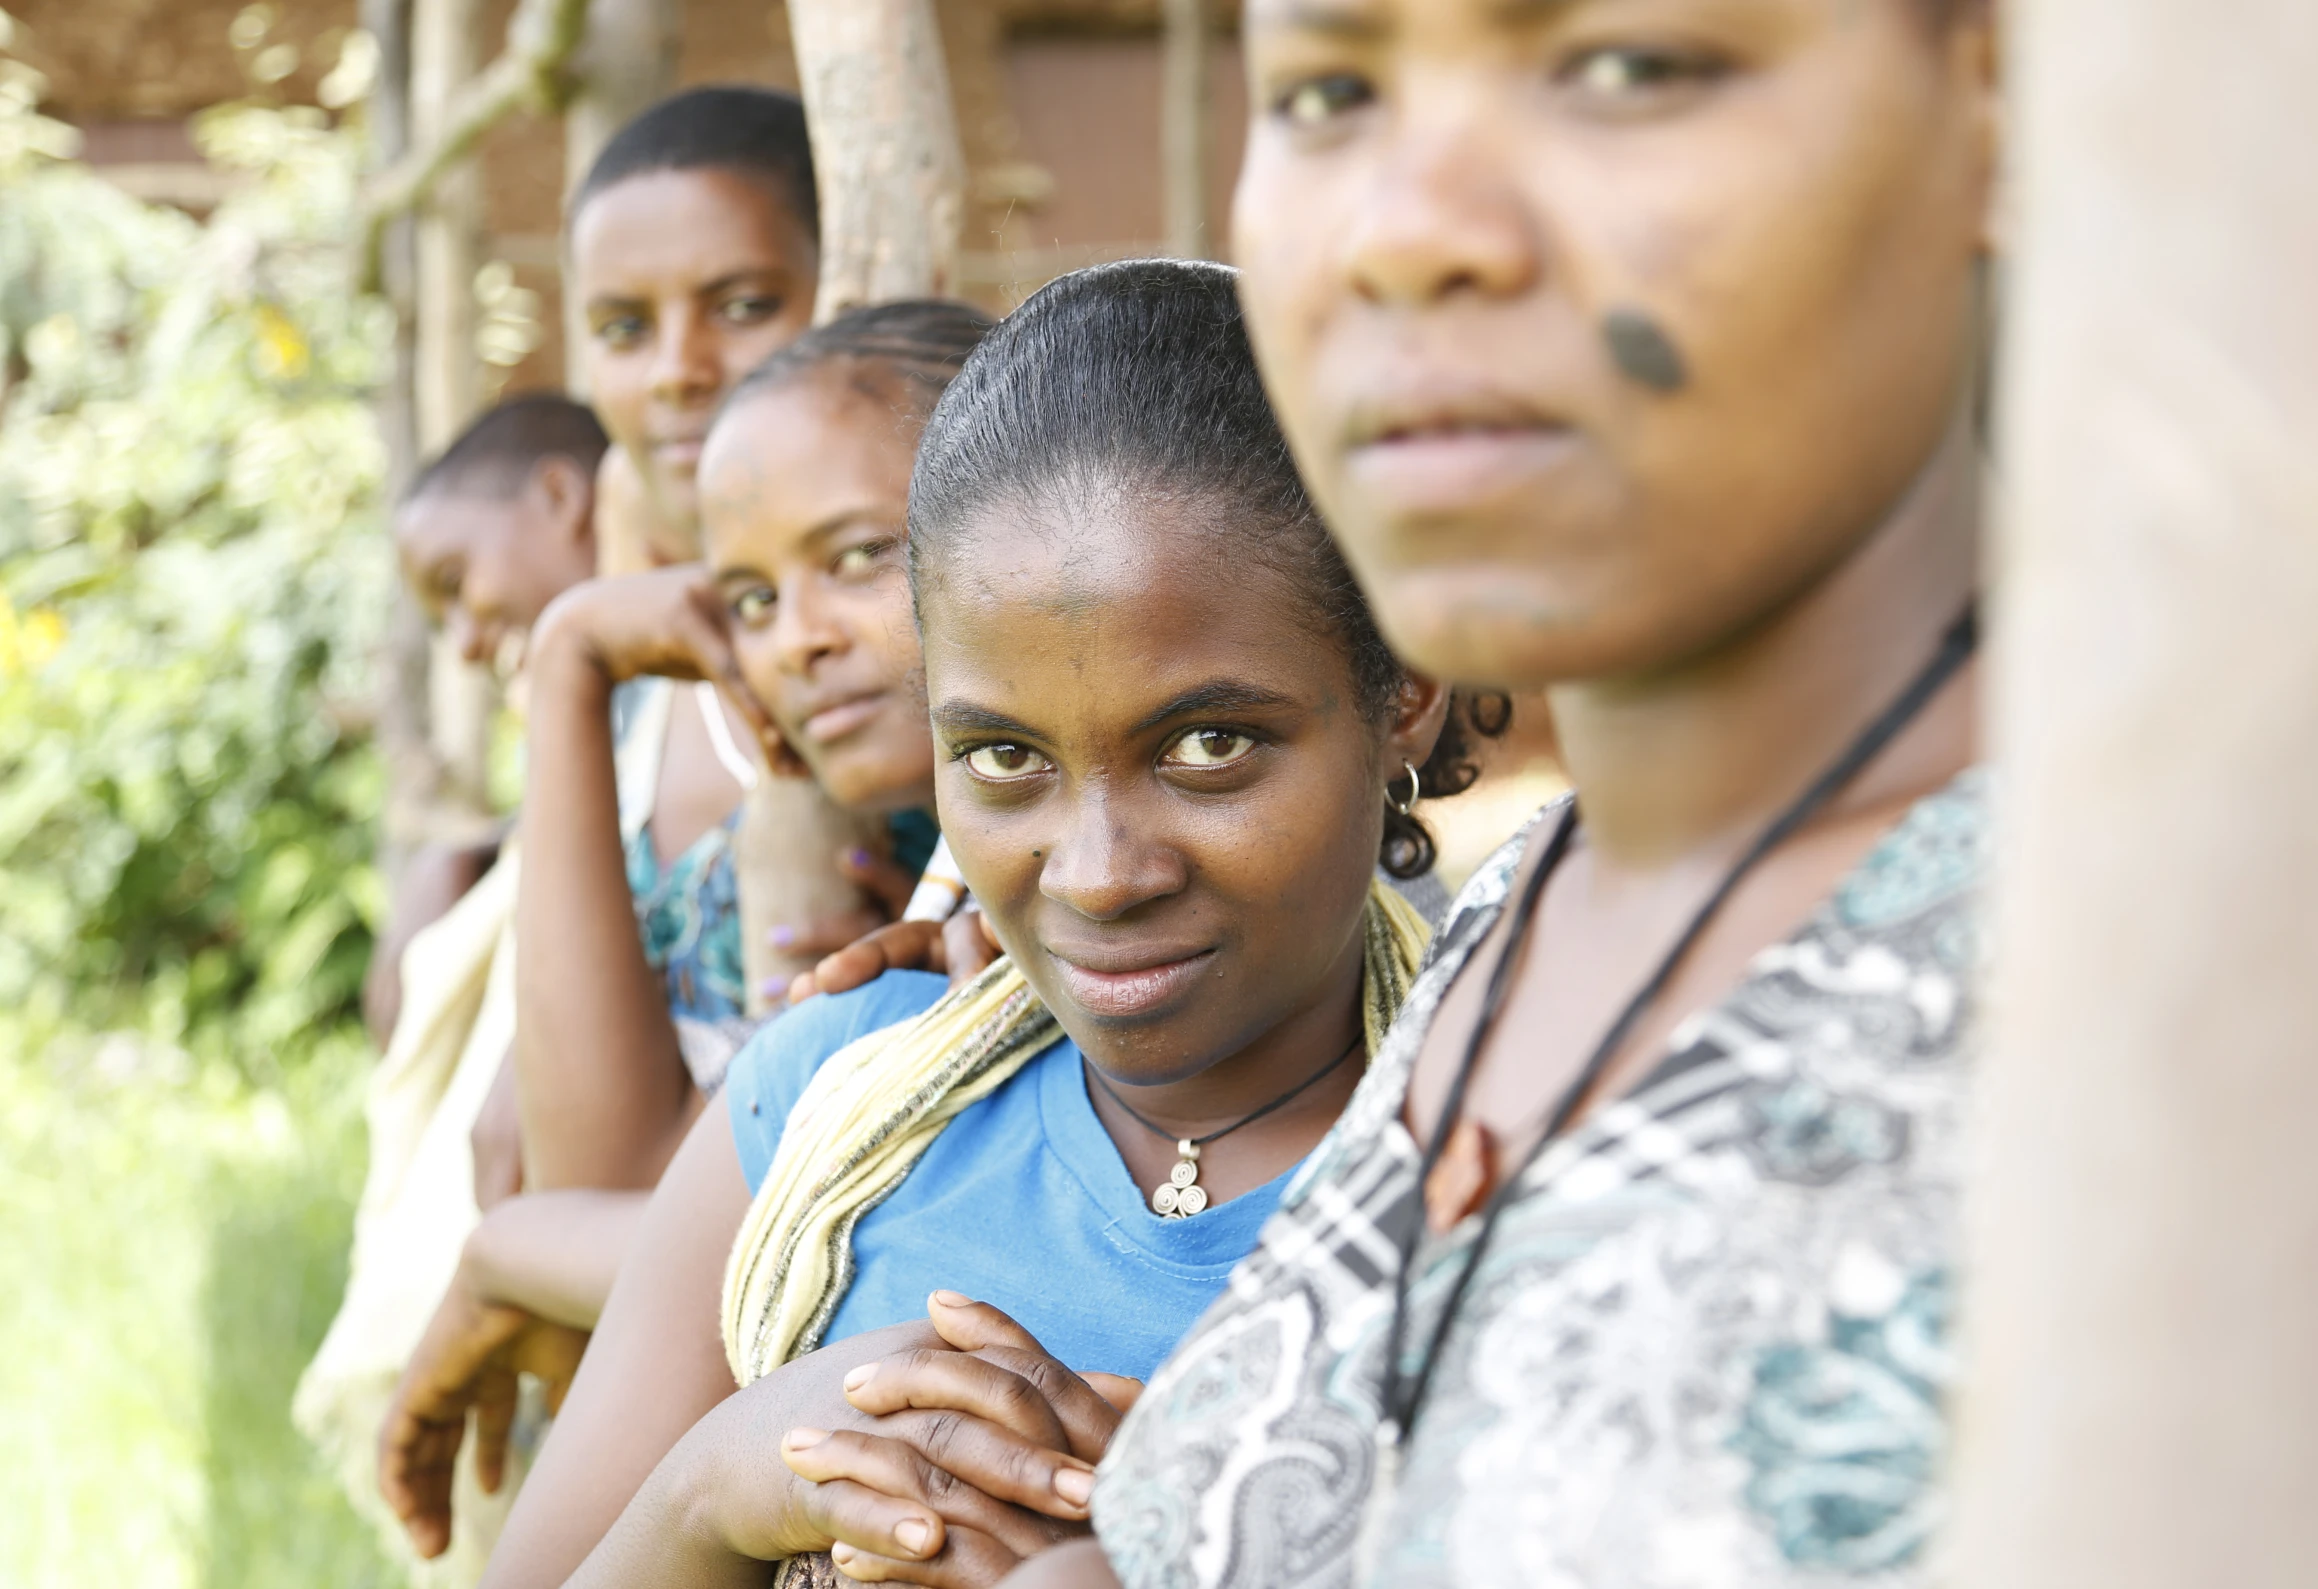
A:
x: 1399, y: 1401
x: 1288, y: 1097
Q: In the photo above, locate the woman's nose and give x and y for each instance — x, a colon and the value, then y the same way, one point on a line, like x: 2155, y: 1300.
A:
x: 1105, y: 864
x: 1442, y: 218
x: 685, y: 367
x: 805, y: 629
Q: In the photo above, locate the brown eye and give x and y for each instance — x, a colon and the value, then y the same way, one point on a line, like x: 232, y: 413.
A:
x: 753, y: 607
x: 620, y: 331
x: 1004, y: 763
x: 1625, y: 72
x: 749, y: 311
x: 859, y: 562
x: 1210, y: 747
x: 1317, y: 100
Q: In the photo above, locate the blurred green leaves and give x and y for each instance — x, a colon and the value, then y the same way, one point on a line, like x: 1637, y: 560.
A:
x: 191, y: 565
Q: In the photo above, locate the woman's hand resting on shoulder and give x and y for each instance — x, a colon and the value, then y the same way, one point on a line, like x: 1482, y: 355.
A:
x: 979, y: 1456
x: 960, y: 948
x: 669, y: 623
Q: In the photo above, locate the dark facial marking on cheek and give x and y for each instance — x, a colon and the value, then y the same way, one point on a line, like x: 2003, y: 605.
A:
x: 1642, y: 349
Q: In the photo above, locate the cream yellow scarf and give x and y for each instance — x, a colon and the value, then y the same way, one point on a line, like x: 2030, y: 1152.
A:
x: 877, y: 1104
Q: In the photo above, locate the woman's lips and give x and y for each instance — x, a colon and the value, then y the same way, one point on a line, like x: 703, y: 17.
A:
x: 1450, y: 466
x: 1134, y: 992
x: 833, y: 723
x: 681, y: 453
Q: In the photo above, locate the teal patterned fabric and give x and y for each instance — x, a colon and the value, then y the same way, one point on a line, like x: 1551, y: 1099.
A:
x: 1709, y: 1346
x: 689, y: 916
x: 688, y: 911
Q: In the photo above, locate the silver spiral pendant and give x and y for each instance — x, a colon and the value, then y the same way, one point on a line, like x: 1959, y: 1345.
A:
x: 1180, y: 1195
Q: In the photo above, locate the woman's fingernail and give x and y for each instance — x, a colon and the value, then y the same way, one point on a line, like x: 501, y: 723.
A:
x: 843, y: 1554
x: 914, y: 1535
x: 1075, y: 1485
x: 802, y: 1439
x: 856, y: 1378
x: 951, y: 1299
x: 857, y: 856
x: 782, y: 936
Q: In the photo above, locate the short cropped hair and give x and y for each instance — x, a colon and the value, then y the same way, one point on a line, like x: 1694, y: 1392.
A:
x: 495, y: 456
x: 757, y: 133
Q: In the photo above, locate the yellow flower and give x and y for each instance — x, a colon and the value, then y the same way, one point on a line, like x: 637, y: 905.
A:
x: 282, y: 354
x: 27, y: 643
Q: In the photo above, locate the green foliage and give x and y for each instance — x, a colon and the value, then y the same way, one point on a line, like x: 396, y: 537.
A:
x: 172, y: 1243
x: 191, y: 562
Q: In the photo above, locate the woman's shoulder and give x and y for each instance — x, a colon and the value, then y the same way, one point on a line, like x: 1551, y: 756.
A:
x: 772, y: 1070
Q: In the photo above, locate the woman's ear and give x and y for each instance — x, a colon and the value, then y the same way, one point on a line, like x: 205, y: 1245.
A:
x: 566, y: 493
x: 1417, y: 719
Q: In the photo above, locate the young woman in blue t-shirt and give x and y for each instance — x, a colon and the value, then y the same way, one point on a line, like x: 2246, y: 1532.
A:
x: 1170, y: 749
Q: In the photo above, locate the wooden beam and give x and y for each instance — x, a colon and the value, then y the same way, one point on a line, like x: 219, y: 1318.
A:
x: 530, y: 72
x: 885, y: 149
x: 448, y: 376
x: 414, y: 774
x: 1185, y: 97
x: 2142, y: 1323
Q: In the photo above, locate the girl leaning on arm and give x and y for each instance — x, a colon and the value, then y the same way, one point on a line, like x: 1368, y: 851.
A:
x: 800, y: 615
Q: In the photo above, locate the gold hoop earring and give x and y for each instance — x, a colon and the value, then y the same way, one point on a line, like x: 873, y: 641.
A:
x: 1416, y: 788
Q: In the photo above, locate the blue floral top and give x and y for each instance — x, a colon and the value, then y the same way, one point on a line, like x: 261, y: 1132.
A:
x: 1709, y: 1346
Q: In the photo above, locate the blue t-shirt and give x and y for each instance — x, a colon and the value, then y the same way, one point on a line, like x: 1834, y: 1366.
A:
x: 1023, y: 1202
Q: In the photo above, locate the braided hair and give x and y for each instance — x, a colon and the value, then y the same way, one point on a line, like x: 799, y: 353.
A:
x: 1142, y: 372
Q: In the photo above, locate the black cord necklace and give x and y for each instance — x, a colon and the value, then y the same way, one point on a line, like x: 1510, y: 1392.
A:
x: 1180, y: 1195
x: 1401, y: 1395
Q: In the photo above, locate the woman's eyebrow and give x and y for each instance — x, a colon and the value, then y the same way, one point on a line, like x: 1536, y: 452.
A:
x: 873, y: 515
x: 1221, y: 695
x: 964, y: 717
x: 746, y: 276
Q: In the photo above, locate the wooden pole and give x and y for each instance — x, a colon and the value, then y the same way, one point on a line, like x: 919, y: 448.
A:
x: 448, y: 381
x: 413, y: 775
x: 531, y: 71
x: 885, y: 149
x: 1184, y: 139
x: 2142, y: 1334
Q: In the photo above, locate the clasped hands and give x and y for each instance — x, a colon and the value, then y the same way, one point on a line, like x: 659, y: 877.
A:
x: 957, y: 1461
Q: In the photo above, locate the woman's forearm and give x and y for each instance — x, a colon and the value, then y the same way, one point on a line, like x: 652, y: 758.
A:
x: 554, y: 1254
x: 669, y: 1536
x: 722, y: 1503
x: 604, y: 1089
